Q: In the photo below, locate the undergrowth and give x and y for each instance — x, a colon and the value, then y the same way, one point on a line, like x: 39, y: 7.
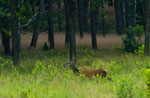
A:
x: 42, y: 75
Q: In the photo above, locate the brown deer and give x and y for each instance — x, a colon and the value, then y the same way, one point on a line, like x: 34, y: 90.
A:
x: 87, y: 72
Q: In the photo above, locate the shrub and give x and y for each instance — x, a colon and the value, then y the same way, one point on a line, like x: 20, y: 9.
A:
x: 141, y: 50
x: 39, y: 68
x: 130, y: 45
x: 147, y: 78
x: 124, y: 87
x: 45, y: 47
x: 5, y: 65
x: 130, y: 41
x: 115, y: 68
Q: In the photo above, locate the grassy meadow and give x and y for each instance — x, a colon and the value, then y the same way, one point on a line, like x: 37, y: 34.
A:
x: 41, y: 74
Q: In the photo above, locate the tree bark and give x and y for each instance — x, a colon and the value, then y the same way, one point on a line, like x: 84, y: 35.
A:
x: 120, y: 16
x: 67, y: 28
x: 103, y: 17
x: 110, y: 2
x: 139, y: 12
x: 6, y: 42
x: 130, y: 12
x: 59, y: 16
x: 19, y: 35
x: 37, y: 25
x: 73, y: 11
x: 15, y: 51
x: 93, y: 19
x: 147, y: 25
x: 50, y: 24
x: 85, y: 15
x: 80, y: 16
x: 69, y: 15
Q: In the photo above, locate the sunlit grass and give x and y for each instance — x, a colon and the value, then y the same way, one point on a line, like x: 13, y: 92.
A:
x: 41, y: 75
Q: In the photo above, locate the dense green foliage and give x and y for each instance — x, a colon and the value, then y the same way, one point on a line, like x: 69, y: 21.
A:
x: 45, y: 47
x: 5, y: 17
x: 5, y: 65
x: 42, y: 75
x: 141, y: 50
x: 132, y: 41
x: 26, y: 9
x: 125, y: 86
x: 147, y: 78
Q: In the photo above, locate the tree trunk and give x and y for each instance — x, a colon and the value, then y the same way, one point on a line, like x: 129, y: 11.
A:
x: 69, y: 15
x: 93, y: 19
x: 103, y: 17
x: 73, y: 10
x: 15, y: 52
x: 80, y: 16
x: 67, y: 28
x: 59, y: 16
x: 139, y: 12
x: 3, y: 41
x: 120, y: 16
x: 123, y: 17
x: 110, y: 2
x: 6, y: 42
x: 147, y: 25
x: 50, y: 24
x: 37, y: 25
x: 19, y: 36
x: 130, y: 12
x: 85, y: 15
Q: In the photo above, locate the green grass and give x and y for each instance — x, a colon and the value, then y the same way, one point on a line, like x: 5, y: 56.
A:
x: 41, y: 75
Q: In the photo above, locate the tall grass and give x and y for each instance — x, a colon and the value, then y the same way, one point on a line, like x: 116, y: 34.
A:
x: 42, y: 75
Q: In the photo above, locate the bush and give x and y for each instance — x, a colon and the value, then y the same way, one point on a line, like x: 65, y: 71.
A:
x: 141, y: 50
x: 45, y: 47
x: 130, y: 45
x: 147, y: 78
x: 132, y: 41
x: 124, y: 87
x: 39, y: 68
x: 5, y: 65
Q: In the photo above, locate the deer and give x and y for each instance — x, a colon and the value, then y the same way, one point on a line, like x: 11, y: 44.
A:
x: 87, y: 72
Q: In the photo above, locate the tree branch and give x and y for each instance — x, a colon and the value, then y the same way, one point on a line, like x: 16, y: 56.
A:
x: 30, y: 21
